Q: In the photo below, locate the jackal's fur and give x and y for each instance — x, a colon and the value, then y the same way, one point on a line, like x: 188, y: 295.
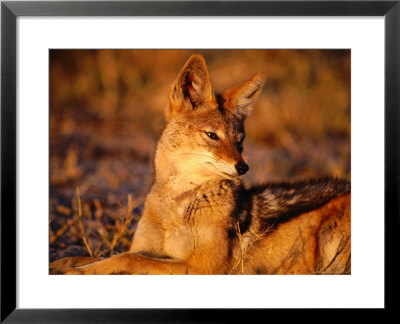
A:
x: 199, y: 218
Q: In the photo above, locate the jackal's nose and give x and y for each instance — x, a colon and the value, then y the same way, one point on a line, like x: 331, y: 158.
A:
x: 241, y: 168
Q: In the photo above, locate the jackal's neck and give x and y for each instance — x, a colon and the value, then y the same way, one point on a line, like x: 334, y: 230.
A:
x: 179, y: 187
x: 177, y: 183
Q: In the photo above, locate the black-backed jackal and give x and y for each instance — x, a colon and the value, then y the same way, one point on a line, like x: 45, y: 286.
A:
x: 199, y: 218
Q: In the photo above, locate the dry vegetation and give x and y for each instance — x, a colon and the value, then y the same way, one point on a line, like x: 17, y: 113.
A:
x: 106, y: 114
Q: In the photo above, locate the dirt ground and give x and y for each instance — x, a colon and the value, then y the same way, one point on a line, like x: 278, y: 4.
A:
x: 107, y: 112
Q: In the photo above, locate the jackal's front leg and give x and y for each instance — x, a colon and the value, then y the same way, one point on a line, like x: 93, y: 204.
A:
x: 69, y: 262
x: 129, y: 263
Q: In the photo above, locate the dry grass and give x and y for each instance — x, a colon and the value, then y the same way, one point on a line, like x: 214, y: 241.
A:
x: 90, y: 235
x: 106, y: 114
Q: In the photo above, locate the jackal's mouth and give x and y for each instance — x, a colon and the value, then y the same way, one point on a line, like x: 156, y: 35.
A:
x: 219, y: 167
x: 224, y: 170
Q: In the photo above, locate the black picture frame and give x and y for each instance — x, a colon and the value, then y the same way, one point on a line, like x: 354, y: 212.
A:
x: 10, y: 10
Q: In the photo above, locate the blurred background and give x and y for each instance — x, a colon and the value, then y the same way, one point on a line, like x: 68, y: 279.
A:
x: 107, y: 113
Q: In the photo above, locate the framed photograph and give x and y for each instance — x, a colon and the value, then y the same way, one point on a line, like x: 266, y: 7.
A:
x: 128, y: 118
x: 116, y: 142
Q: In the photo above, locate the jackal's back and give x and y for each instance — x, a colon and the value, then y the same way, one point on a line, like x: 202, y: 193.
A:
x: 300, y: 227
x: 313, y: 242
x: 278, y: 202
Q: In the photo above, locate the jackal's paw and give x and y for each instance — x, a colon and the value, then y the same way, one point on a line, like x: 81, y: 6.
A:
x: 71, y: 264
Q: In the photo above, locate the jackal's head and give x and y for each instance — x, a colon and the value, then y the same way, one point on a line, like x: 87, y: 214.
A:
x: 204, y: 134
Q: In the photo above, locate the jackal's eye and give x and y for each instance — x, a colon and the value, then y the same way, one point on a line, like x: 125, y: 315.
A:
x: 212, y: 135
x: 240, y: 143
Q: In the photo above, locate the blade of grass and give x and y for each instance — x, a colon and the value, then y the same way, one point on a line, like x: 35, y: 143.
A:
x: 125, y: 224
x: 55, y: 236
x: 239, y: 259
x: 84, y: 238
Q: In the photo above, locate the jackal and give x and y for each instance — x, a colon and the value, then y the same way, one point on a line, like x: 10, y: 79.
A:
x: 199, y: 217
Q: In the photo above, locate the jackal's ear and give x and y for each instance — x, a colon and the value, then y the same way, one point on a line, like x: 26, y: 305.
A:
x: 240, y: 100
x: 191, y: 88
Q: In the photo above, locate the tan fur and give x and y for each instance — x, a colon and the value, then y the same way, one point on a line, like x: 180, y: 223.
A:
x: 315, y: 242
x: 198, y: 217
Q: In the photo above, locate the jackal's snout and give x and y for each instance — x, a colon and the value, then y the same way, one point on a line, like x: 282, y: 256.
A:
x: 241, y: 167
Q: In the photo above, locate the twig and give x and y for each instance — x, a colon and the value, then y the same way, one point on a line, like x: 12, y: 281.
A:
x: 96, y: 252
x: 242, y: 252
x: 84, y: 239
x: 125, y: 225
x: 103, y: 234
x: 241, y: 247
x: 61, y: 231
x: 240, y: 258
